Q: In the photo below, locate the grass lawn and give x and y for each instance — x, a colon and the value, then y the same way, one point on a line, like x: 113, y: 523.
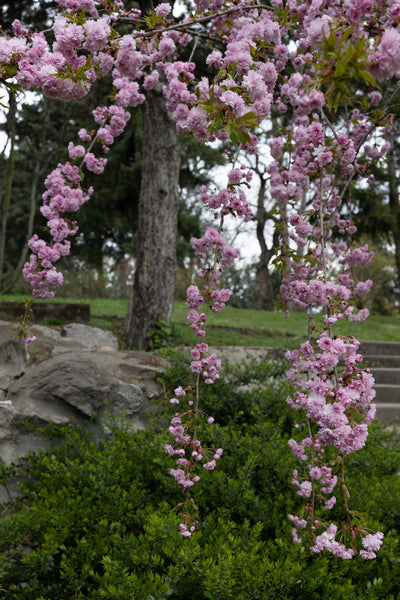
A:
x: 238, y: 326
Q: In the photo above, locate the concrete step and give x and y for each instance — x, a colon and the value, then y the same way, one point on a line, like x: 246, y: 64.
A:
x: 381, y: 360
x: 386, y: 393
x: 380, y: 348
x: 387, y: 411
x: 389, y: 376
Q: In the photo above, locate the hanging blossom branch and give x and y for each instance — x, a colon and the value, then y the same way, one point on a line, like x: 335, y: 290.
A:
x: 83, y: 52
x: 332, y: 389
x: 64, y: 194
x: 213, y: 255
x: 205, y: 365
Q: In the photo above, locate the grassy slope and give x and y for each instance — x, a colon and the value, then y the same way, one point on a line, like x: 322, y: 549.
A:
x: 242, y: 327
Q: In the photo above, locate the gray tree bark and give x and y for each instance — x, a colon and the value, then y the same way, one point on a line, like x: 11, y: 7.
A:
x: 154, y: 281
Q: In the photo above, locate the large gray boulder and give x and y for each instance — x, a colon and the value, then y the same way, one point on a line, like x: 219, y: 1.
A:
x: 82, y: 383
x: 16, y: 357
x: 78, y: 334
x: 74, y: 373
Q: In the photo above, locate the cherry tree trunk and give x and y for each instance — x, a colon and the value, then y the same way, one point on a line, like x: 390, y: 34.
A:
x: 153, y: 288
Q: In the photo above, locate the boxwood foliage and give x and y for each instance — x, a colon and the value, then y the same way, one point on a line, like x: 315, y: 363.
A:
x: 100, y: 522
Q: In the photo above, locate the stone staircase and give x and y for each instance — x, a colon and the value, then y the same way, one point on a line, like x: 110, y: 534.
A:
x: 383, y: 358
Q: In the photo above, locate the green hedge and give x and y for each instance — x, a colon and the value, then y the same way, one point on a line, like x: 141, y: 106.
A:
x: 100, y: 521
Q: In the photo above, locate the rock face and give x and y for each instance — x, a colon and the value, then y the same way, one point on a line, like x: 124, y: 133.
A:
x: 70, y: 373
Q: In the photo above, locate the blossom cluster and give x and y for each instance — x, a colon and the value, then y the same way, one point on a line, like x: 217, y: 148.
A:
x: 231, y: 200
x: 336, y: 396
x: 371, y: 543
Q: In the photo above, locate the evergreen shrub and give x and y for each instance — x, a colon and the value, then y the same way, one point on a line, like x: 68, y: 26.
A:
x: 98, y: 522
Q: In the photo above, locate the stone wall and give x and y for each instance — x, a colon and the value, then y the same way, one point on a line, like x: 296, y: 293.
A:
x: 43, y: 312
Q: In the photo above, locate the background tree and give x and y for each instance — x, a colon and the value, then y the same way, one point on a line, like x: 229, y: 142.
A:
x: 6, y: 184
x: 267, y: 218
x: 377, y: 214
